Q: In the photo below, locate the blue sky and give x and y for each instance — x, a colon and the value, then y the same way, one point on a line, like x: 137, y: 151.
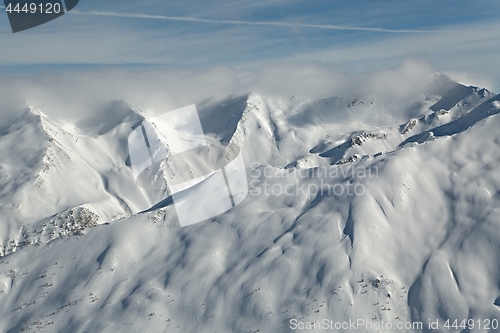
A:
x: 458, y: 37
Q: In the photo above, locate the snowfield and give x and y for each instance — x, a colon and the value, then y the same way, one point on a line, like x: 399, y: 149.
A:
x: 363, y: 206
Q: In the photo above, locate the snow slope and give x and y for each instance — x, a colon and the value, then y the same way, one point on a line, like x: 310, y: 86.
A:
x: 380, y: 211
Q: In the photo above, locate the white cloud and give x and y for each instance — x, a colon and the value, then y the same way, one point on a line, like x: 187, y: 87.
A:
x: 75, y: 93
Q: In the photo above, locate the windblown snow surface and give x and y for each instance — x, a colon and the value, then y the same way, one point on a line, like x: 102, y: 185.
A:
x: 358, y: 209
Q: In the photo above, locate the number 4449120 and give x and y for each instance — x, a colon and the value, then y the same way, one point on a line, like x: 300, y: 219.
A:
x: 485, y: 324
x: 33, y: 8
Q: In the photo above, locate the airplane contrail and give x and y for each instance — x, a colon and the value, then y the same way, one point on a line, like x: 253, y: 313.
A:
x: 254, y: 23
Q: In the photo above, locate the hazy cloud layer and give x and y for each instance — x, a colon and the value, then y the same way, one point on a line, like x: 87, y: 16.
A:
x: 75, y: 94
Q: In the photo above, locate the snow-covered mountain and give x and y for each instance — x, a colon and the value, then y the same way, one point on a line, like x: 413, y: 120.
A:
x: 359, y: 208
